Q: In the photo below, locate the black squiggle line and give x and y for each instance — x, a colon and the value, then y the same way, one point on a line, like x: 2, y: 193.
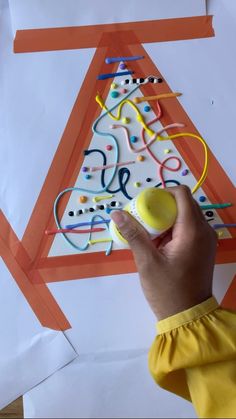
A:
x: 121, y: 173
x: 168, y: 181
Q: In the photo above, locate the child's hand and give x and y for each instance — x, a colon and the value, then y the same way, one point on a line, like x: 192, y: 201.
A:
x: 176, y: 270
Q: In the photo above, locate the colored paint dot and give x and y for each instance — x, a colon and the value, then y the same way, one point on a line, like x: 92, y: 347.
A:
x: 140, y: 158
x: 184, y: 172
x: 133, y: 139
x: 137, y: 184
x: 126, y: 120
x: 167, y: 151
x: 122, y: 66
x: 202, y: 198
x: 113, y: 85
x: 109, y: 147
x: 148, y: 179
x: 87, y: 177
x: 123, y: 91
x: 71, y: 213
x: 114, y: 94
x: 108, y: 210
x: 84, y: 169
x: 83, y: 199
x: 209, y: 214
x: 147, y: 108
x: 220, y: 233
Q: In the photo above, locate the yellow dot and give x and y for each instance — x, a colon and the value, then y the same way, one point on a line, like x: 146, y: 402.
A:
x: 113, y: 86
x: 83, y: 199
x: 220, y: 234
x: 126, y: 120
x: 140, y: 158
x: 167, y: 151
x: 137, y: 184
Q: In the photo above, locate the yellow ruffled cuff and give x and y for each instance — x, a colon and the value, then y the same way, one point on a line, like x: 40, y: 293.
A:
x: 187, y: 316
x: 194, y: 356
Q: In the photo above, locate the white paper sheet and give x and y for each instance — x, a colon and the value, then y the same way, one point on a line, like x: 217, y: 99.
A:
x: 108, y: 328
x: 113, y: 385
x: 29, y: 353
x: 30, y: 14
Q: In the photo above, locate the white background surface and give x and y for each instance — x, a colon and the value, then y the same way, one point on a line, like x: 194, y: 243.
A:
x: 123, y: 389
x: 29, y: 14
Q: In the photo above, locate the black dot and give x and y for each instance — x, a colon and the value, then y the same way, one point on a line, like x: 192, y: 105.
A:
x: 113, y: 203
x: 160, y: 80
x: 71, y: 213
x: 148, y: 179
x: 101, y: 207
x: 80, y: 212
x: 141, y: 80
x: 91, y: 209
x: 209, y: 213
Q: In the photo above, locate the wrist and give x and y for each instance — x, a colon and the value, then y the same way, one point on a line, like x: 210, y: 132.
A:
x: 192, y: 314
x: 177, y: 306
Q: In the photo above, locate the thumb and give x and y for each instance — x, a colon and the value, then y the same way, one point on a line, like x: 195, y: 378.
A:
x: 138, y: 239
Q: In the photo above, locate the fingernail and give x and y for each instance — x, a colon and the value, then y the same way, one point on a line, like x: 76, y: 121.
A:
x: 119, y: 218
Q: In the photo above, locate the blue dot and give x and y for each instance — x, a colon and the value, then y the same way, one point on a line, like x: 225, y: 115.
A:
x: 114, y: 94
x: 133, y: 139
x: 147, y: 108
x: 87, y: 176
x: 202, y: 198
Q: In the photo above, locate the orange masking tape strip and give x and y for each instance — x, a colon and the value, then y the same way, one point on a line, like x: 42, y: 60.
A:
x: 164, y: 30
x: 38, y: 296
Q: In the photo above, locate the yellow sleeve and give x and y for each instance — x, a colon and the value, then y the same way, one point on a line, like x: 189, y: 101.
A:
x: 194, y: 356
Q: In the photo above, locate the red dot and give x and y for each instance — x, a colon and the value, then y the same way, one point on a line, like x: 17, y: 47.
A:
x: 109, y: 147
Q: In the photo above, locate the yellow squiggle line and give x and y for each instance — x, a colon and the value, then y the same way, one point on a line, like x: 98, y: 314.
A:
x: 139, y: 117
x: 100, y: 241
x: 197, y: 137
